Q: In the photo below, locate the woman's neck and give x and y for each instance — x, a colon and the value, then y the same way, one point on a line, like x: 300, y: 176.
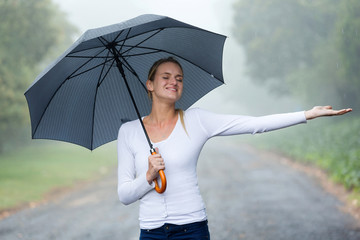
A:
x: 162, y: 114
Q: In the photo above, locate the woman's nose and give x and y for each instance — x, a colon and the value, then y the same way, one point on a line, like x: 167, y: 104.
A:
x: 173, y: 81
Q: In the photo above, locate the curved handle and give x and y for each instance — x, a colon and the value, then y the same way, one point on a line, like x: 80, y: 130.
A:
x: 162, y: 178
x: 163, y: 182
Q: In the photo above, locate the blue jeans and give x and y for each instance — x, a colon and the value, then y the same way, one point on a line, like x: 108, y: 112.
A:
x: 195, y: 231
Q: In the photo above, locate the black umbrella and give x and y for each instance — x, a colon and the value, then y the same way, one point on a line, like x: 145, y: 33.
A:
x: 85, y: 95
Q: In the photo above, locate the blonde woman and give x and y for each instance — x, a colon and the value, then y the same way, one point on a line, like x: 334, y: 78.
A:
x: 179, y: 213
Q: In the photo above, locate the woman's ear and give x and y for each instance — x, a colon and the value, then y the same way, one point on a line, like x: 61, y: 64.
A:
x: 149, y: 89
x: 149, y: 85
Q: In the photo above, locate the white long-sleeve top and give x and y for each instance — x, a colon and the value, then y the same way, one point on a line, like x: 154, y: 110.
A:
x: 181, y: 203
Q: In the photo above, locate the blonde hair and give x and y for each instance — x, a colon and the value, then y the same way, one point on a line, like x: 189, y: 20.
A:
x: 151, y: 77
x: 181, y: 113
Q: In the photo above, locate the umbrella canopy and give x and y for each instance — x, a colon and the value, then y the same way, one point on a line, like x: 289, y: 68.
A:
x: 82, y: 97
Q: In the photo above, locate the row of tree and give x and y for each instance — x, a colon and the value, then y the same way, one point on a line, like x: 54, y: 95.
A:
x: 32, y: 32
x: 309, y: 49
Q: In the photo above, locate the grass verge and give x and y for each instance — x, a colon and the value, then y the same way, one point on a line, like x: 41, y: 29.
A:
x: 28, y: 174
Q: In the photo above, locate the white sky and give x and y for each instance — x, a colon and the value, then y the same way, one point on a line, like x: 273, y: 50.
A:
x: 87, y: 14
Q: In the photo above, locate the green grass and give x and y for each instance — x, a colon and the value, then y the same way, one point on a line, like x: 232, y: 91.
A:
x: 28, y: 174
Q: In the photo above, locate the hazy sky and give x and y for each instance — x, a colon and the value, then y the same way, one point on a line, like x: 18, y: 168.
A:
x: 88, y: 14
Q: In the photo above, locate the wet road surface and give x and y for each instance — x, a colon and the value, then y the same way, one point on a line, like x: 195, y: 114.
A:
x: 248, y: 195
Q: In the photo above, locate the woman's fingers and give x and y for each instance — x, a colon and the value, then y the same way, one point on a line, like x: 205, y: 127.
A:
x: 156, y: 163
x: 343, y: 111
x: 161, y: 160
x: 159, y: 164
x: 331, y: 112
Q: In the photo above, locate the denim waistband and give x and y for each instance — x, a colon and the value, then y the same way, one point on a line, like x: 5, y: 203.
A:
x: 168, y: 227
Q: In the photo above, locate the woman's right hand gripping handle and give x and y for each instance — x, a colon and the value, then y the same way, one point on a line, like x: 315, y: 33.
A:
x: 156, y: 168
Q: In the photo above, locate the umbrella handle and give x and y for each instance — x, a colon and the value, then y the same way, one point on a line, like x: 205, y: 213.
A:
x: 163, y: 182
x: 162, y: 178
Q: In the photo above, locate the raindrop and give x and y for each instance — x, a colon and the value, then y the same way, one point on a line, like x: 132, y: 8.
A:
x: 211, y: 75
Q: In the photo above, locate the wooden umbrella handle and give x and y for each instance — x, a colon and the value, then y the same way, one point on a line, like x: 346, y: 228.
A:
x: 162, y: 178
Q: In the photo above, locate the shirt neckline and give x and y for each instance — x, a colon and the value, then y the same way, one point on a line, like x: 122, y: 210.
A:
x: 173, y: 130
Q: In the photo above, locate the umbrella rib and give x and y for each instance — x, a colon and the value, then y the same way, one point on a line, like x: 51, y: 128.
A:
x: 101, y: 39
x: 120, y: 34
x: 102, y: 69
x: 108, y: 70
x: 89, y: 69
x: 135, y: 46
x: 100, y: 80
x: 71, y: 75
x: 85, y: 49
x: 77, y: 56
x: 128, y: 55
x: 126, y: 38
x: 142, y: 54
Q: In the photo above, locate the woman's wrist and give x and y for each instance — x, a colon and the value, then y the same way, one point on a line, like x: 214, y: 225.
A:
x: 148, y: 178
x: 309, y: 115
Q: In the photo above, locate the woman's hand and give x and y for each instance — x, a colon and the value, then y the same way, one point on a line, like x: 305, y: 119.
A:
x: 321, y: 111
x: 156, y: 163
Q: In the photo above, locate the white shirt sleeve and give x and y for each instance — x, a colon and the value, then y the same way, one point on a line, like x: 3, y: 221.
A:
x: 224, y: 125
x: 130, y: 187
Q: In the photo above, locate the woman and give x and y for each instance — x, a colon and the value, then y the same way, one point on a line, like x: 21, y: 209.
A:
x: 179, y: 213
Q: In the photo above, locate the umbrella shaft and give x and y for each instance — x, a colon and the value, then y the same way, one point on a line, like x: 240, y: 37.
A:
x: 121, y: 69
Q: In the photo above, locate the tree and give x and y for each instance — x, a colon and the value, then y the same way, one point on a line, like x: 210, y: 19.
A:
x: 29, y: 31
x: 280, y: 38
x: 348, y: 45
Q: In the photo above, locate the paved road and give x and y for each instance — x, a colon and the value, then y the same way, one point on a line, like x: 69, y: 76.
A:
x: 248, y: 196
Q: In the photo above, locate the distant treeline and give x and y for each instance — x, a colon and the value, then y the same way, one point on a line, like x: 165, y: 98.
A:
x: 32, y: 32
x: 306, y: 49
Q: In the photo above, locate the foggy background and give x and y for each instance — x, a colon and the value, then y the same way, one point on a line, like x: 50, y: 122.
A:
x: 280, y: 56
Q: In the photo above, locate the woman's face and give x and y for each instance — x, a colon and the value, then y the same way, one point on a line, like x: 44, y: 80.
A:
x: 168, y: 83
